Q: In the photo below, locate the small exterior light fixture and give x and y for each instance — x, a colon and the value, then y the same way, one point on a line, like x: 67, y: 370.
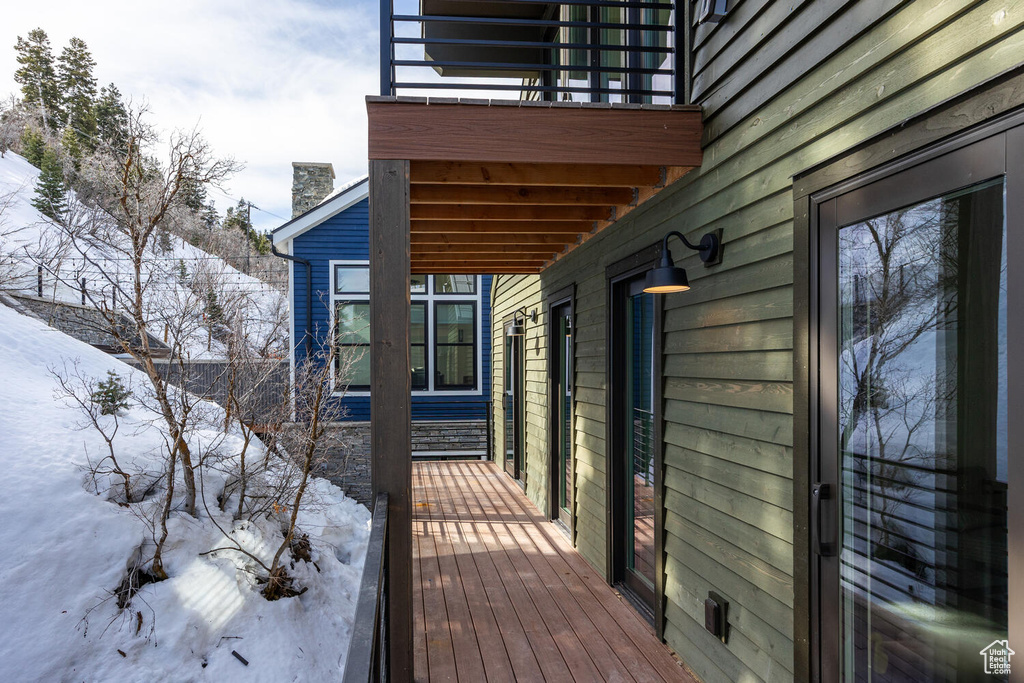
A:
x: 667, y: 278
x: 518, y: 326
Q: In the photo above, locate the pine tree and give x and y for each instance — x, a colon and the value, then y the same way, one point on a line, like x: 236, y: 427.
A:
x: 213, y: 311
x: 111, y: 117
x: 37, y: 77
x: 71, y: 145
x: 33, y: 146
x: 78, y: 90
x: 50, y: 196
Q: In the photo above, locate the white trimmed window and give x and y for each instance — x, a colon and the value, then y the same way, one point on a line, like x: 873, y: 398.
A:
x: 444, y: 334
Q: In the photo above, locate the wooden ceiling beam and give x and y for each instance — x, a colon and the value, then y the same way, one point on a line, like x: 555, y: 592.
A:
x: 496, y: 238
x: 536, y: 175
x: 526, y: 212
x: 540, y: 227
x: 491, y: 269
x: 548, y: 196
x: 483, y: 252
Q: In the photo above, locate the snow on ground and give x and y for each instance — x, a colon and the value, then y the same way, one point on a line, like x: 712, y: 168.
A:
x: 64, y: 548
x: 26, y: 235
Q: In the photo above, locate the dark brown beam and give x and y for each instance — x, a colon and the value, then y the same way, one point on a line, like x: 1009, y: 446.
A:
x: 490, y: 269
x: 486, y: 248
x: 390, y: 406
x: 534, y: 134
x: 446, y: 226
x: 529, y: 212
x: 445, y: 265
x: 538, y: 256
x: 486, y: 194
x: 563, y: 175
x: 498, y: 238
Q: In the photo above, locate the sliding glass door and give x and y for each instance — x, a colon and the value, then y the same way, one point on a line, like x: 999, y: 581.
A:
x: 915, y: 483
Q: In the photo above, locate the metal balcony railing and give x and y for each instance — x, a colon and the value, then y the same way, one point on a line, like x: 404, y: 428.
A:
x: 368, y: 650
x: 577, y: 50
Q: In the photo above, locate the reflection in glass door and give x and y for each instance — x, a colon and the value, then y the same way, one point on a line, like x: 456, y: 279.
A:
x: 561, y: 389
x: 633, y: 466
x: 917, y: 442
x: 512, y: 401
x: 639, y: 451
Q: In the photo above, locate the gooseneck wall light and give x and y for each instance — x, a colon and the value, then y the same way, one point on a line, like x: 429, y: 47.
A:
x: 518, y: 326
x: 667, y: 278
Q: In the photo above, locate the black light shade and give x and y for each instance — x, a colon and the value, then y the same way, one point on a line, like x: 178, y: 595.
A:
x: 666, y: 278
x: 518, y: 326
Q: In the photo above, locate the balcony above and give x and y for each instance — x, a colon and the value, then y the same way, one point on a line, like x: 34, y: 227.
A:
x: 578, y: 50
x: 511, y: 187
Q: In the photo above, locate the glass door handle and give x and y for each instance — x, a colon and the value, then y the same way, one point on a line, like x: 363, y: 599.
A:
x: 820, y: 492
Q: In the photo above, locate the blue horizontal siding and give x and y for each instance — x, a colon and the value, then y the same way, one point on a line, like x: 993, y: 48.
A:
x: 346, y: 236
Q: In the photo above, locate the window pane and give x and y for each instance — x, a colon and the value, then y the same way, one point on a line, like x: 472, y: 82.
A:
x: 357, y: 360
x: 418, y: 328
x: 456, y: 367
x: 351, y: 279
x: 922, y: 421
x: 418, y: 284
x: 455, y: 323
x: 353, y: 321
x: 455, y: 284
x: 418, y: 361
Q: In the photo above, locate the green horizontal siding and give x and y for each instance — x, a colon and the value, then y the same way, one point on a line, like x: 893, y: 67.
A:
x: 785, y: 87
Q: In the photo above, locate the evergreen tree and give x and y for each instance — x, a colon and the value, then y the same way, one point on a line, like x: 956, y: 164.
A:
x: 213, y: 311
x: 192, y: 194
x: 71, y: 145
x: 51, y: 189
x: 78, y: 90
x: 37, y: 77
x: 33, y: 146
x: 111, y: 117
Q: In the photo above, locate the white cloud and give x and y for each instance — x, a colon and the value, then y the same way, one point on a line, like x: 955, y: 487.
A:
x: 268, y: 81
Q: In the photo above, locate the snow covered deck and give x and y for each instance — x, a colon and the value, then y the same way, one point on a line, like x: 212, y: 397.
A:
x: 500, y: 594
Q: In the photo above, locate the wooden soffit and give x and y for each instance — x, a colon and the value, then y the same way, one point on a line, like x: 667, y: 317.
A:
x: 511, y: 187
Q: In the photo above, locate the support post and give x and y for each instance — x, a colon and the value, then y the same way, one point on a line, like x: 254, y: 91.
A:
x: 390, y: 395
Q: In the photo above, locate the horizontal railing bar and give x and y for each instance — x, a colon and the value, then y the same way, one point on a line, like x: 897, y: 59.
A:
x: 503, y: 66
x: 546, y: 23
x: 531, y: 88
x: 601, y: 47
x: 630, y: 4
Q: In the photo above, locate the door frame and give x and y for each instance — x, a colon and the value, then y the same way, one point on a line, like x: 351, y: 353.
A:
x: 514, y: 360
x: 563, y: 297
x: 933, y: 169
x: 617, y: 275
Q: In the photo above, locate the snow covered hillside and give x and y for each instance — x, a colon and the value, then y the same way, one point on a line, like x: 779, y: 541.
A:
x: 178, y: 275
x: 68, y: 541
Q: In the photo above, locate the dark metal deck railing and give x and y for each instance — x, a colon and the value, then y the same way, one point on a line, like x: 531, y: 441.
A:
x: 579, y: 50
x: 368, y: 650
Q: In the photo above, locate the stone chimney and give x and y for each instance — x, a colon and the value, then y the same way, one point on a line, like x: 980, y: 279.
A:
x: 311, y: 182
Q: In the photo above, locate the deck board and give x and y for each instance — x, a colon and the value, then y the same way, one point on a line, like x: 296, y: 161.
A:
x: 501, y: 595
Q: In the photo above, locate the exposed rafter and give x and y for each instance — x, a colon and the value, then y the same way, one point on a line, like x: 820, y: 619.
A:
x: 512, y: 187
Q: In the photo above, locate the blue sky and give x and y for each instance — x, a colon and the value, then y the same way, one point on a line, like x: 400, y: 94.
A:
x: 267, y: 81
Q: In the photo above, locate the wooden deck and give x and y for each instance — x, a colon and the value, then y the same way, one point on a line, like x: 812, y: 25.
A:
x: 500, y: 595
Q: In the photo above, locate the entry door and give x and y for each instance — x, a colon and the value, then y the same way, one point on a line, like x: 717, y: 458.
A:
x: 561, y: 395
x: 515, y: 381
x: 635, y: 472
x: 915, y: 487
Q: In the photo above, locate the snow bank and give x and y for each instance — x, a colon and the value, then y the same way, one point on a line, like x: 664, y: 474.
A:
x: 64, y: 548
